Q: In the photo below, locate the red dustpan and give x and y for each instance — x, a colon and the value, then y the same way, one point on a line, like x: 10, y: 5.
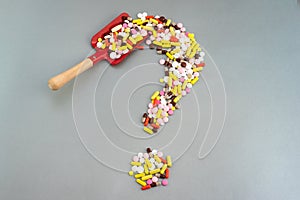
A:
x: 60, y: 80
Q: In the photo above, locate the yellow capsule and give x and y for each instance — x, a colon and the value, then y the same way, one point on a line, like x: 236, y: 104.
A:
x: 157, y: 98
x: 154, y: 21
x: 139, y: 175
x: 179, y: 89
x: 157, y: 43
x: 166, y: 45
x: 154, y: 33
x: 130, y: 173
x: 163, y: 169
x: 125, y: 37
x: 161, y: 80
x: 175, y: 78
x: 197, y: 69
x: 146, y: 169
x: 168, y: 22
x: 103, y: 46
x: 148, y: 28
x: 173, y: 108
x: 136, y: 163
x: 148, y: 163
x: 194, y: 80
x: 169, y: 81
x: 122, y: 48
x: 155, y: 171
x: 142, y: 183
x: 148, y: 130
x: 138, y: 38
x: 113, y: 46
x: 129, y: 46
x: 177, y: 98
x: 169, y: 161
x: 158, y: 113
x: 176, y: 44
x: 147, y: 177
x: 157, y: 159
x: 165, y: 42
x: 169, y: 56
x: 132, y: 40
x: 155, y: 94
x: 135, y: 21
x: 172, y: 30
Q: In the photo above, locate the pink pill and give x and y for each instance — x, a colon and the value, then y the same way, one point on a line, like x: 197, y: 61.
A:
x: 160, y: 121
x: 133, y: 31
x: 170, y: 112
x: 125, y: 25
x: 164, y: 182
x: 181, y: 79
x: 150, y: 105
x: 149, y: 181
x: 188, y: 90
x: 162, y: 93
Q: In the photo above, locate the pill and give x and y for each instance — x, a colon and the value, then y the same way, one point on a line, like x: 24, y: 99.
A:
x: 139, y: 175
x: 164, y: 182
x: 142, y: 183
x: 146, y: 187
x: 167, y: 173
x: 135, y: 163
x: 148, y: 130
x: 130, y: 173
x: 147, y: 177
x: 169, y: 161
x: 154, y: 171
x: 163, y: 169
x: 149, y: 181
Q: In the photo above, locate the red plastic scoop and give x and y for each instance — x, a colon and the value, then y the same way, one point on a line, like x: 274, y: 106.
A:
x: 60, y: 80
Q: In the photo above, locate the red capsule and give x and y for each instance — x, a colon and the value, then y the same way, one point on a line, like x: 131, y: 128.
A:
x: 146, y: 121
x: 146, y: 187
x: 167, y: 173
x: 156, y: 126
x: 149, y: 16
x: 163, y: 161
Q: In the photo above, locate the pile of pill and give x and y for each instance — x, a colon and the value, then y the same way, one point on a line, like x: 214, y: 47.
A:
x: 182, y: 63
x: 150, y: 169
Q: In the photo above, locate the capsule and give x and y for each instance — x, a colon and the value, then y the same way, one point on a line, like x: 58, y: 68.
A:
x: 136, y: 163
x: 169, y: 161
x: 146, y: 121
x: 146, y: 187
x: 146, y: 169
x: 148, y: 130
x: 142, y: 183
x: 155, y: 171
x: 167, y: 173
x: 147, y: 177
x: 139, y: 175
x: 163, y: 169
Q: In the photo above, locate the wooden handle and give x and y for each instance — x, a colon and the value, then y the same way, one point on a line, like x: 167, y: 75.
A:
x: 60, y: 80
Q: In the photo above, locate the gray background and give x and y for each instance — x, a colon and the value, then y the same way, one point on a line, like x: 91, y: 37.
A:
x: 256, y: 46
